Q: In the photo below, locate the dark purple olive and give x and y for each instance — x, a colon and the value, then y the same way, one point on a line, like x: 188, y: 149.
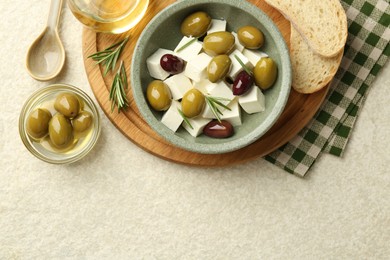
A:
x: 218, y: 129
x: 242, y: 83
x: 172, y: 64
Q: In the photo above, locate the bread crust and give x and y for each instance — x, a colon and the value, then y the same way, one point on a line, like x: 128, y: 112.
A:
x: 322, y: 23
x: 311, y: 72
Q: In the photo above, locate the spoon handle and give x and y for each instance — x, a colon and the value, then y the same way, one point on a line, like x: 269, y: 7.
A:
x: 54, y: 14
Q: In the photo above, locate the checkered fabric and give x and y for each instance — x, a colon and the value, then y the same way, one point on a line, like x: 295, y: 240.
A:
x: 366, y: 52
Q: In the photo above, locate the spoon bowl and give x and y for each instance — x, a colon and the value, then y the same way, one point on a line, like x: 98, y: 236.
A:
x: 46, y: 55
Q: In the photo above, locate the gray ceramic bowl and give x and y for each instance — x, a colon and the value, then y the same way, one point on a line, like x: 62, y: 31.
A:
x: 164, y: 32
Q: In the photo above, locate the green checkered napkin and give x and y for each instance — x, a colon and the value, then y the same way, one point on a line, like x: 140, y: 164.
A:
x: 366, y: 52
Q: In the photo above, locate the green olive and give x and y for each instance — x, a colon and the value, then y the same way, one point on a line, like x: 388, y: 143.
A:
x: 158, y: 95
x: 192, y: 103
x: 218, y: 43
x: 38, y: 123
x: 60, y: 131
x: 82, y: 122
x: 218, y: 67
x: 196, y: 24
x: 250, y: 37
x: 67, y: 104
x: 265, y: 73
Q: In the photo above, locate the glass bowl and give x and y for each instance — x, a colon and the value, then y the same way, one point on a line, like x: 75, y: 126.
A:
x: 44, y: 98
x: 109, y: 16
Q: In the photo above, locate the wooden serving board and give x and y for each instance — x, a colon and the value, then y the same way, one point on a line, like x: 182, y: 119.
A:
x: 299, y: 110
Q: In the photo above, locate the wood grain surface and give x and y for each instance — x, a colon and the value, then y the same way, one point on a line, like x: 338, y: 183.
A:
x: 299, y: 110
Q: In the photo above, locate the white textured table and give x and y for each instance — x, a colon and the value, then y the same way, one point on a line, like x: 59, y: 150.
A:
x: 121, y: 202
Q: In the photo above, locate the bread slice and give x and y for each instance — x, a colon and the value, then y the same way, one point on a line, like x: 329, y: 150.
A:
x: 322, y: 23
x: 311, y: 72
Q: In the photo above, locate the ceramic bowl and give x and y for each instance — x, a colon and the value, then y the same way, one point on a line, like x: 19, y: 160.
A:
x: 44, y: 98
x: 164, y: 32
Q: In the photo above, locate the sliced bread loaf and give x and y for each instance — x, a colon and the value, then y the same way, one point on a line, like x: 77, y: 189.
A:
x: 322, y: 23
x: 311, y: 72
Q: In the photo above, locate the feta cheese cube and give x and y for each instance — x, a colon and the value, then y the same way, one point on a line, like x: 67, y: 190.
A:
x: 191, y: 51
x: 236, y: 66
x: 254, y: 56
x: 154, y: 67
x: 205, y: 86
x: 233, y: 115
x: 172, y: 118
x: 217, y: 26
x: 178, y: 85
x: 221, y: 90
x: 237, y: 44
x: 197, y: 123
x: 208, y: 113
x: 196, y: 68
x: 253, y: 101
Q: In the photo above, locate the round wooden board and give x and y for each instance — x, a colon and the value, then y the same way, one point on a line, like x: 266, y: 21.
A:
x: 299, y: 110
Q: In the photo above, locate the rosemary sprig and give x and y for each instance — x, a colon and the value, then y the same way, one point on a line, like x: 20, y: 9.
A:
x: 109, y: 57
x: 118, y: 90
x: 185, y: 118
x: 187, y: 44
x: 214, y: 103
x: 247, y: 70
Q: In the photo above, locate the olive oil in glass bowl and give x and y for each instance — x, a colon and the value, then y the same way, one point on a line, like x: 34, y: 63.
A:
x: 42, y: 148
x: 109, y: 16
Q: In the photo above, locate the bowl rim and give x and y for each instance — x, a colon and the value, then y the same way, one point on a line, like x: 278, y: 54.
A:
x: 223, y: 147
x: 30, y: 102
